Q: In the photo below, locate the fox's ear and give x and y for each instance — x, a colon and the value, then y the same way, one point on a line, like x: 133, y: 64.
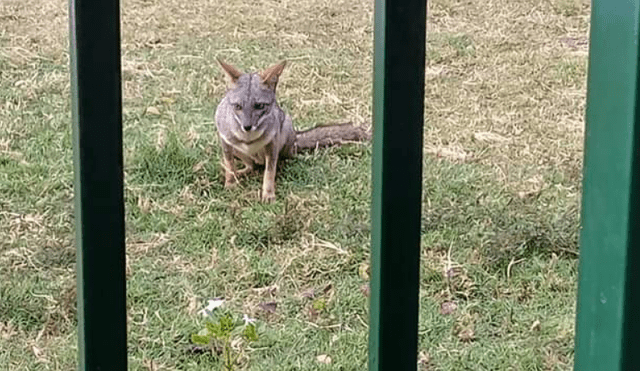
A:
x: 270, y: 75
x: 231, y: 71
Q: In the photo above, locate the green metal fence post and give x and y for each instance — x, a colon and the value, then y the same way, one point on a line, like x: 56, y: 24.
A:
x: 399, y: 62
x: 607, y: 327
x: 99, y: 208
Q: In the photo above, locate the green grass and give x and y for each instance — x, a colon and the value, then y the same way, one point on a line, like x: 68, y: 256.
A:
x: 505, y: 88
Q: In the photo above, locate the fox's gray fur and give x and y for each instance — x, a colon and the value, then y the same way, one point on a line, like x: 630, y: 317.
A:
x: 253, y: 128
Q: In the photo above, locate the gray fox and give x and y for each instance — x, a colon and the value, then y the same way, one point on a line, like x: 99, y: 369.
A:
x: 253, y: 128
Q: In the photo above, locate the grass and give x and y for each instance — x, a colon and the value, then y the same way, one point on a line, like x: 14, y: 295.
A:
x: 505, y: 88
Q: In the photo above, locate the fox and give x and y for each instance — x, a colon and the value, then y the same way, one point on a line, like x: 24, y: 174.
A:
x: 254, y: 129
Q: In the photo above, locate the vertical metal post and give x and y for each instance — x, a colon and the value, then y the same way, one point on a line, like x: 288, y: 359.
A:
x: 399, y: 62
x: 99, y: 208
x: 607, y: 326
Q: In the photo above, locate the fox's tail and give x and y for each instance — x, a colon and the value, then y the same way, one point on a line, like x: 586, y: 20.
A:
x: 330, y: 135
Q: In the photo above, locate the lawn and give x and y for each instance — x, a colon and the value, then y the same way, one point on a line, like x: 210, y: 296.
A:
x: 504, y: 104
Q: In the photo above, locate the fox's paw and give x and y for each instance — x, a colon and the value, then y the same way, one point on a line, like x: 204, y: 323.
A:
x: 230, y: 182
x: 268, y: 197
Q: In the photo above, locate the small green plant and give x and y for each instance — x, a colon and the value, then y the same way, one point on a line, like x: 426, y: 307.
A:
x: 219, y: 333
x: 319, y: 305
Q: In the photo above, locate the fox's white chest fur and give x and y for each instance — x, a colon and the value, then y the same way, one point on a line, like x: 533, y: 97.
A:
x: 250, y: 145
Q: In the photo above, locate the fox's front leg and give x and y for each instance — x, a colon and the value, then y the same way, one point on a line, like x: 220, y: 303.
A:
x: 228, y: 163
x: 269, y: 181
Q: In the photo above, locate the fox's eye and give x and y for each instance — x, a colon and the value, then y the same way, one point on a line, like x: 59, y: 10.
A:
x: 237, y: 107
x: 259, y: 105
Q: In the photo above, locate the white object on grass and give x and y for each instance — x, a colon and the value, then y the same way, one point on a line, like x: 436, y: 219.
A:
x: 213, y: 304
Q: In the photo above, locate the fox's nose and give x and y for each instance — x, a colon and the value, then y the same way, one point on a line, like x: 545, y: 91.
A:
x: 247, y: 127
